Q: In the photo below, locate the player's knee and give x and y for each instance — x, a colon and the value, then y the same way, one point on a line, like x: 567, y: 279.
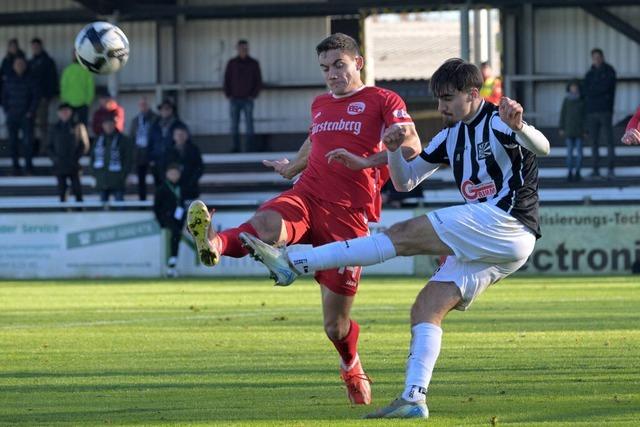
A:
x: 268, y: 225
x: 335, y: 329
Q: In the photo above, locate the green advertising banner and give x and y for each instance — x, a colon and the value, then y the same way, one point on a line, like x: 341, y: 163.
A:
x: 577, y: 240
x: 587, y: 240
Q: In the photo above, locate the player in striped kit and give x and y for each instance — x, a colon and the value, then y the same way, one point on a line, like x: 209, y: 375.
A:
x: 492, y: 153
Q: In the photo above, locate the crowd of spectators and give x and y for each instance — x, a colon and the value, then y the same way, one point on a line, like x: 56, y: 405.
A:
x: 150, y: 143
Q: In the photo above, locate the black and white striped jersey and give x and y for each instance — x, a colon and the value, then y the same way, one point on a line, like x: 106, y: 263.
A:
x: 489, y: 165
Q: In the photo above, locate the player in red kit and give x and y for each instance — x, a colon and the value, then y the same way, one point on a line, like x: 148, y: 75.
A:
x: 330, y: 201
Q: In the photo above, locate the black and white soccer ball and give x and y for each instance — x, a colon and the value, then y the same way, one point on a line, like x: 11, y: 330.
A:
x: 102, y: 48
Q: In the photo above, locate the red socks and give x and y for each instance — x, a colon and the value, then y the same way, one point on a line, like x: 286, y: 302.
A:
x: 229, y: 243
x: 348, y: 346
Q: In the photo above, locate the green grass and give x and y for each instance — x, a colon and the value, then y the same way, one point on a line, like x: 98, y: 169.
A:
x: 531, y: 351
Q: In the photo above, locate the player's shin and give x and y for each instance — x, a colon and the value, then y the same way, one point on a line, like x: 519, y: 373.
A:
x: 426, y: 339
x: 362, y: 251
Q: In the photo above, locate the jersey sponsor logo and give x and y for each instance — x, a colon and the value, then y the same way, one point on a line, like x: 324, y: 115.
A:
x: 401, y: 114
x: 342, y: 125
x: 356, y: 108
x: 484, y: 150
x: 471, y: 191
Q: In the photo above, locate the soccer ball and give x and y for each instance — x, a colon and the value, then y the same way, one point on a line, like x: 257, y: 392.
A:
x: 102, y: 48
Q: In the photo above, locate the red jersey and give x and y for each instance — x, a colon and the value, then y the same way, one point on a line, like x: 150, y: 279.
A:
x: 355, y: 123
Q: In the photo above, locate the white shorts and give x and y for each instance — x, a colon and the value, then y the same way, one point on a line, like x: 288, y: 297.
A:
x: 488, y: 243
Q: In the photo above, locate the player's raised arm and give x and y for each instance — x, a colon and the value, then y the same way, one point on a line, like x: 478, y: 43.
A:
x: 289, y: 169
x: 406, y: 175
x: 529, y: 137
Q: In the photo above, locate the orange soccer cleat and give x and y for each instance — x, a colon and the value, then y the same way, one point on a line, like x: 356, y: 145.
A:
x: 358, y: 384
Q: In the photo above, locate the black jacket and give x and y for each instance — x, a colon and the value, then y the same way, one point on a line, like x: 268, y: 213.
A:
x: 65, y: 149
x: 190, y: 159
x: 45, y: 74
x: 19, y: 95
x: 599, y: 89
x: 167, y: 198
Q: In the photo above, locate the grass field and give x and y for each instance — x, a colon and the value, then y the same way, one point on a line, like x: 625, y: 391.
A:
x: 240, y: 352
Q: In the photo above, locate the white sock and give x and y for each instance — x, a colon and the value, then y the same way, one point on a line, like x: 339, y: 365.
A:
x: 368, y: 250
x: 426, y: 339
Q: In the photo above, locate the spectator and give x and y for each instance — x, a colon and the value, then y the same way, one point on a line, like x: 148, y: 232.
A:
x: 491, y: 89
x: 242, y: 84
x: 161, y: 139
x: 572, y: 129
x: 599, y: 92
x: 139, y: 131
x: 20, y: 100
x: 111, y: 160
x: 77, y: 88
x: 45, y: 76
x: 186, y: 154
x: 632, y: 132
x: 67, y: 143
x: 168, y: 206
x: 107, y: 108
x: 13, y: 52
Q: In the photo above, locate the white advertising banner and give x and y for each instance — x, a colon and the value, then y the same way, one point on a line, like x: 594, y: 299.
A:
x: 586, y: 240
x: 84, y: 244
x: 188, y: 264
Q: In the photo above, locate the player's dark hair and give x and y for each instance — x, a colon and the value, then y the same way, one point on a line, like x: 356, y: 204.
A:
x: 455, y: 74
x: 597, y: 50
x: 340, y: 42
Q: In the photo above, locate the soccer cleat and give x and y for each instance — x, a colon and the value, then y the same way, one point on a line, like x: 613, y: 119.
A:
x: 275, y: 259
x: 198, y: 224
x: 401, y: 408
x: 358, y: 384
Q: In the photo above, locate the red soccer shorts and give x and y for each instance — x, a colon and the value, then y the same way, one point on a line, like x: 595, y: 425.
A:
x: 316, y: 222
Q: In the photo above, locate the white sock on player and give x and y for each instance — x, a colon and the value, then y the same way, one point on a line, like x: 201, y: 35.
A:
x: 356, y: 252
x: 426, y: 339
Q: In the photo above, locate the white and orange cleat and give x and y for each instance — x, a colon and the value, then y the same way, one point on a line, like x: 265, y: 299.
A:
x: 358, y: 383
x: 199, y: 226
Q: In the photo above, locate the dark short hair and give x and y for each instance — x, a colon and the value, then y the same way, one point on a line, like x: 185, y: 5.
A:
x: 597, y: 50
x: 243, y: 41
x: 456, y: 74
x: 36, y: 40
x: 64, y: 105
x: 340, y: 42
x: 167, y: 102
x: 174, y: 165
x: 485, y: 64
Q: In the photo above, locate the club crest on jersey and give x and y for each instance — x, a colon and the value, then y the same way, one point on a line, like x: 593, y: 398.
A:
x: 471, y: 191
x: 401, y: 114
x: 484, y: 150
x: 355, y: 108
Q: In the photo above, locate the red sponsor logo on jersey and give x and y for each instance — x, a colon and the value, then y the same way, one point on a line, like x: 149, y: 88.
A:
x: 471, y: 191
x: 401, y: 114
x: 355, y: 108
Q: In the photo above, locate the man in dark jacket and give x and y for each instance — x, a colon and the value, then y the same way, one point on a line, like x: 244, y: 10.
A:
x: 20, y: 100
x: 68, y: 142
x: 186, y: 154
x: 45, y: 76
x: 111, y: 160
x: 242, y: 84
x: 13, y: 52
x: 161, y: 139
x: 139, y: 132
x: 168, y: 206
x: 599, y: 93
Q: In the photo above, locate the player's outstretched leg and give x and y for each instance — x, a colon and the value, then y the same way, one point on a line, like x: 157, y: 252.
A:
x: 275, y: 259
x: 401, y: 408
x: 199, y: 225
